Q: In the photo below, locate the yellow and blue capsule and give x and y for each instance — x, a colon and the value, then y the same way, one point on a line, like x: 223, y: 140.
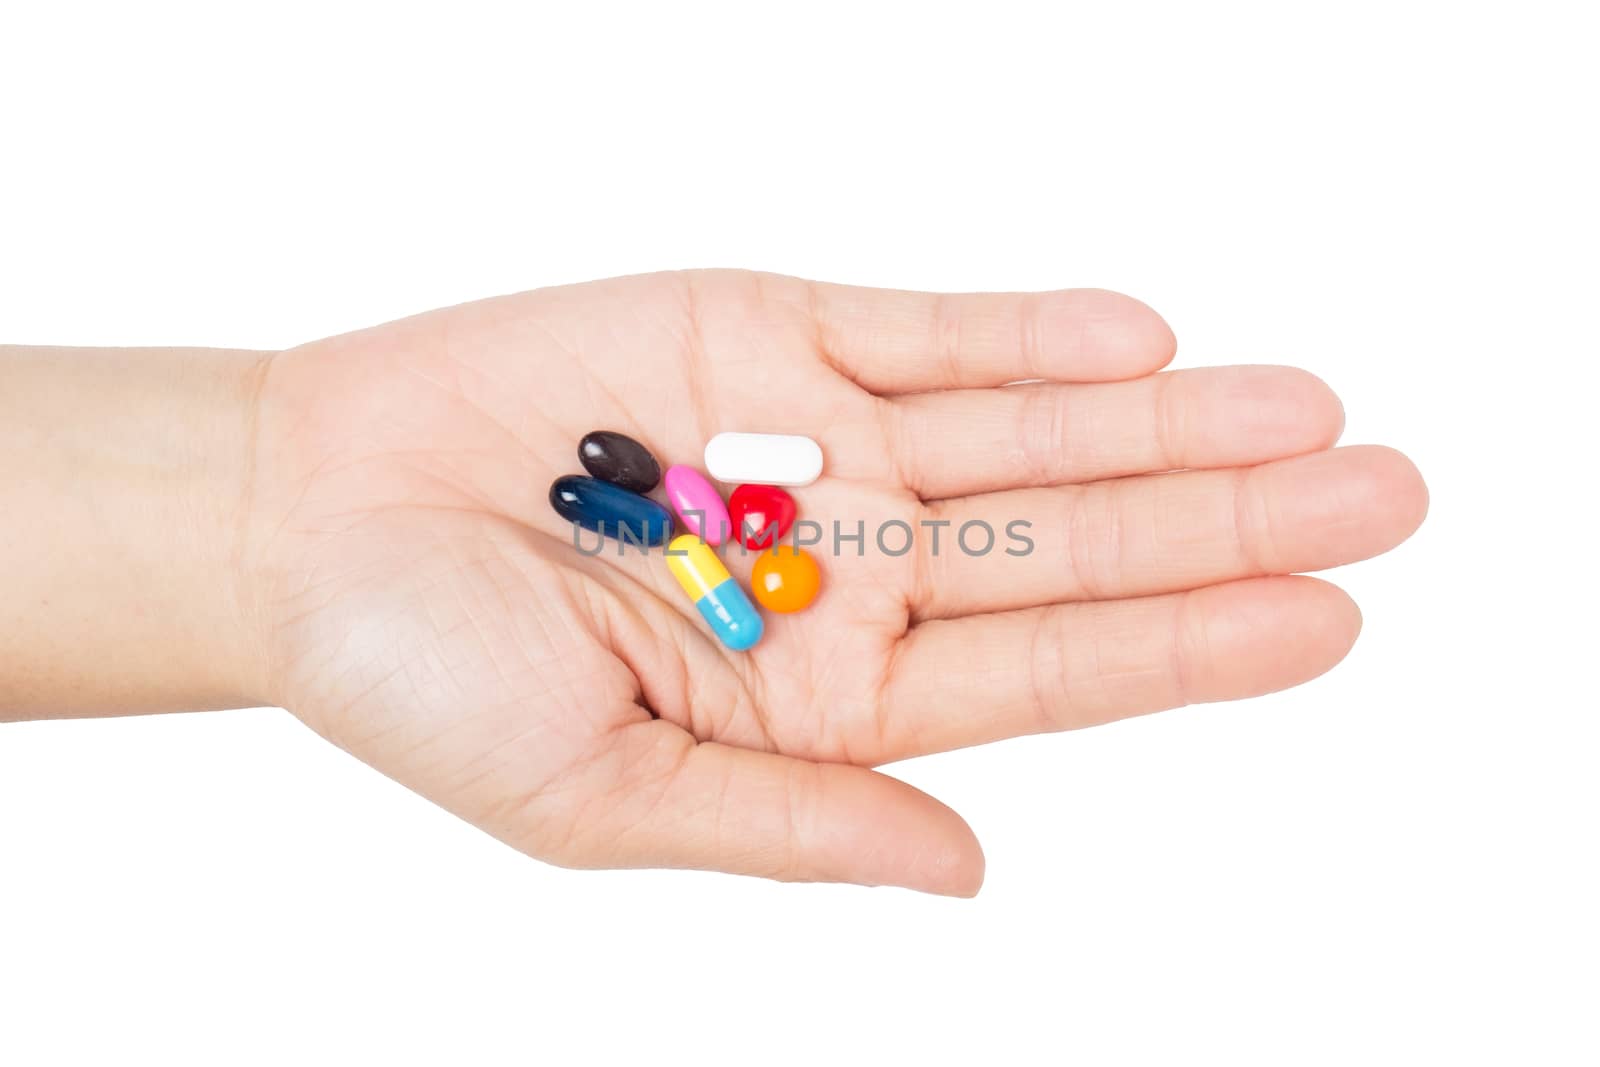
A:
x: 707, y: 582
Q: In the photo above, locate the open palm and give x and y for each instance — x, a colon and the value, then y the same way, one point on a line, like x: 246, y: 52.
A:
x: 426, y: 608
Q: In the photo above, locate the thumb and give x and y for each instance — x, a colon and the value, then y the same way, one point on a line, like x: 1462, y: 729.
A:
x: 675, y: 802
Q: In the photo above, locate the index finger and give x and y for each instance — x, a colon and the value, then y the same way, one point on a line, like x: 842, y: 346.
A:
x: 892, y: 341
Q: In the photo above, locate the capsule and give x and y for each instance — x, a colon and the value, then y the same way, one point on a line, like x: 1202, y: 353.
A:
x: 764, y: 458
x: 714, y: 591
x: 619, y: 459
x: 610, y: 510
x: 698, y: 504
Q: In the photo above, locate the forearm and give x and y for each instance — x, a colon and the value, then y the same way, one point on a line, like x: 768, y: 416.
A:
x: 124, y: 475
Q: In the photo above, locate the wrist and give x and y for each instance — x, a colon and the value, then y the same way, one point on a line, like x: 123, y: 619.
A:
x: 215, y: 519
x: 126, y: 475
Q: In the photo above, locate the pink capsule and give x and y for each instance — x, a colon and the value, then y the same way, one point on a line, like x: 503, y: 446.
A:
x: 697, y: 503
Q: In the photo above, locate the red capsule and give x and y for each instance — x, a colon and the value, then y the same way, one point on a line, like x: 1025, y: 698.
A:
x: 755, y: 509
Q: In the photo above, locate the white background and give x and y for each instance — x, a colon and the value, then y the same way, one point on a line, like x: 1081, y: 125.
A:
x: 1394, y: 864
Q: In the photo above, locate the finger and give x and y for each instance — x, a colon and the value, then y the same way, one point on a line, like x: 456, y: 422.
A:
x: 970, y: 681
x: 1163, y: 533
x: 957, y: 442
x: 678, y: 803
x: 891, y: 341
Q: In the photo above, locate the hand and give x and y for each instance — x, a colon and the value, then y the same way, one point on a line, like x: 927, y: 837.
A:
x: 424, y: 607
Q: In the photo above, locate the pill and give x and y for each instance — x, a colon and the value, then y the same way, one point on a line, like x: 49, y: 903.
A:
x: 761, y: 514
x: 785, y: 579
x: 714, y: 591
x: 619, y: 459
x: 763, y: 458
x: 610, y: 510
x: 698, y: 504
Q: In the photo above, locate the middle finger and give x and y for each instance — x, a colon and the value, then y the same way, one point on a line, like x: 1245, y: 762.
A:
x: 1162, y: 533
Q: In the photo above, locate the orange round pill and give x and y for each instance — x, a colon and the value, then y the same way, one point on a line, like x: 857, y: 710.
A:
x: 785, y: 579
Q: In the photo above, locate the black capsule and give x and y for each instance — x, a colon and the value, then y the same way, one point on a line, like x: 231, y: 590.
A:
x: 619, y: 459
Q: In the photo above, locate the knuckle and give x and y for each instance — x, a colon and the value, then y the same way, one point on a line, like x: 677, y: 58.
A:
x: 1042, y: 433
x: 1170, y: 431
x: 1030, y: 334
x: 1049, y: 677
x: 1252, y: 524
x: 1096, y: 541
x: 945, y: 329
x: 1188, y: 649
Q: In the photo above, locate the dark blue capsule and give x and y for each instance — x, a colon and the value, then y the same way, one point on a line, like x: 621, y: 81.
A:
x: 610, y: 510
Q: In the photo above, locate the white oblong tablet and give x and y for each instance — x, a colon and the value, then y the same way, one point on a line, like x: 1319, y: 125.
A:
x: 764, y: 458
